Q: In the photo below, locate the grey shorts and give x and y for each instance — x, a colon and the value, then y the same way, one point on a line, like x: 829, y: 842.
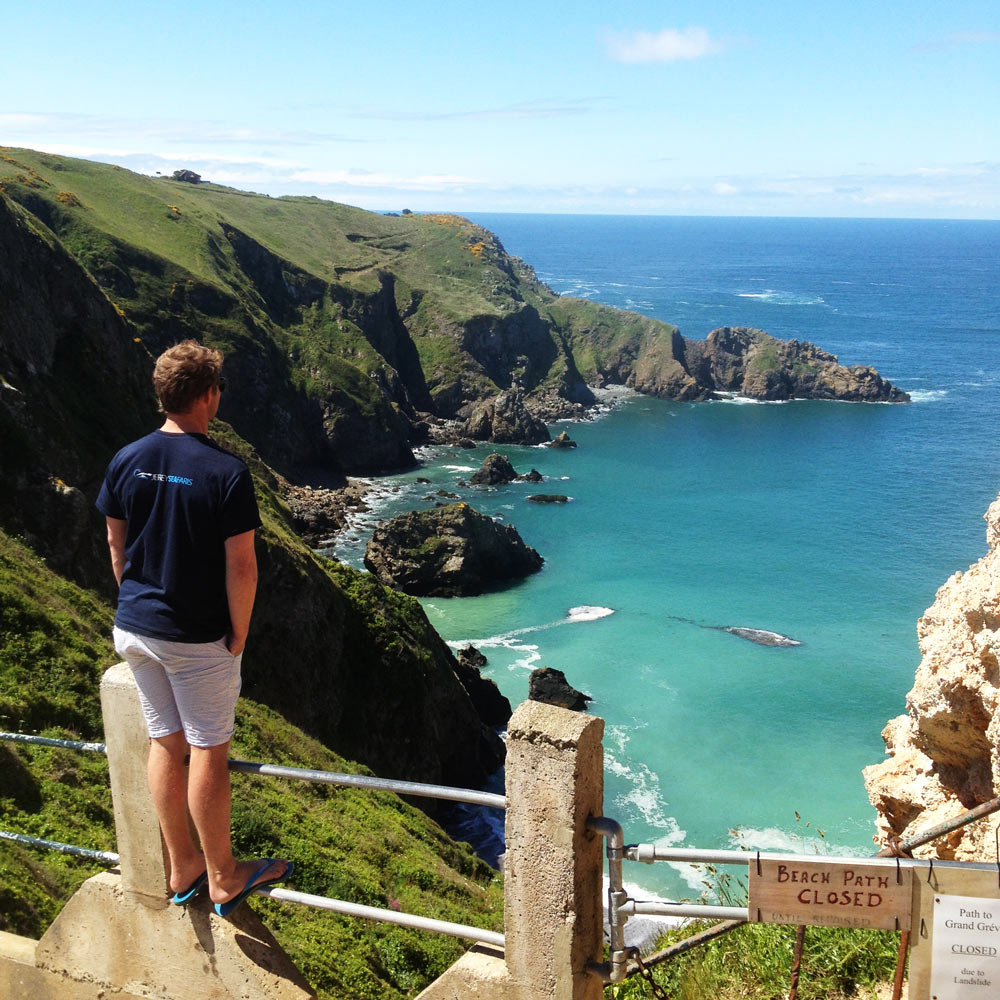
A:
x: 190, y: 686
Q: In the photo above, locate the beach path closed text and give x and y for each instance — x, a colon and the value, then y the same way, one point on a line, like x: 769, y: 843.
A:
x: 830, y: 893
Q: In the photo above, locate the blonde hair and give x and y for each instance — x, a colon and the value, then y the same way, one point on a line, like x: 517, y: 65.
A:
x: 183, y: 373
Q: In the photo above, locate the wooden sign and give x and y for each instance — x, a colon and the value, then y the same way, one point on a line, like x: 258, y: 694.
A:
x: 830, y: 892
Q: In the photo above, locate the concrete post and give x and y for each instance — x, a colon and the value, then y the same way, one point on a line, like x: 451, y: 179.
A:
x: 120, y: 935
x: 553, y: 875
x: 553, y: 901
x: 144, y: 865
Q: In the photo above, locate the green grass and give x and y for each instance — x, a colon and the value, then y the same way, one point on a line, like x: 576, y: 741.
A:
x: 754, y: 962
x: 366, y: 847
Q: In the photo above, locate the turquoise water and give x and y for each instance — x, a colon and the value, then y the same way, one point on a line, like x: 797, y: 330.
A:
x: 831, y: 523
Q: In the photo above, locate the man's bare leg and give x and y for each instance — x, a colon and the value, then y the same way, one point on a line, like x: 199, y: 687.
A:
x: 167, y: 773
x: 209, y: 800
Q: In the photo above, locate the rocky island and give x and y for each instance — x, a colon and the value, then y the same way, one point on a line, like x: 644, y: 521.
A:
x: 450, y: 551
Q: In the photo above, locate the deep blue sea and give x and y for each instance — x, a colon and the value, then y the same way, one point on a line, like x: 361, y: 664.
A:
x: 832, y: 523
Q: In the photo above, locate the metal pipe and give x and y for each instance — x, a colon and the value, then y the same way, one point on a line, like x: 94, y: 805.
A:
x: 52, y: 845
x: 469, y: 795
x: 46, y: 741
x: 649, y: 853
x: 386, y: 916
x: 694, y: 911
x: 615, y: 970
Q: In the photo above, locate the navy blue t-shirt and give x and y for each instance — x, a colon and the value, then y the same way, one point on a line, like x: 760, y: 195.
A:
x: 182, y: 497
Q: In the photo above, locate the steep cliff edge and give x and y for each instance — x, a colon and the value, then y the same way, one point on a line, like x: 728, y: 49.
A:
x: 355, y: 664
x: 944, y: 754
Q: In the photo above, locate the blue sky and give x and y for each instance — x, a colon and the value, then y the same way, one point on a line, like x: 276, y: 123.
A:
x: 712, y: 108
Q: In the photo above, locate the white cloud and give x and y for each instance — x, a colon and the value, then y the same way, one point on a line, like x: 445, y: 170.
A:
x: 724, y: 189
x: 373, y: 179
x: 539, y: 108
x: 958, y: 39
x: 669, y: 45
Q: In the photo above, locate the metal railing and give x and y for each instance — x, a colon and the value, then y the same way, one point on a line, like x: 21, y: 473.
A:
x: 468, y: 796
x: 620, y: 906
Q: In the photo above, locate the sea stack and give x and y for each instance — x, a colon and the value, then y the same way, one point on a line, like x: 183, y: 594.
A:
x: 452, y: 551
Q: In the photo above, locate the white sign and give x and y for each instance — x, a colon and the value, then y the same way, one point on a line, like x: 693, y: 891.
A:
x: 965, y: 961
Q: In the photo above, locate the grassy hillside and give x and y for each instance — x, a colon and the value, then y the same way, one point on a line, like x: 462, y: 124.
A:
x: 345, y: 327
x: 367, y: 847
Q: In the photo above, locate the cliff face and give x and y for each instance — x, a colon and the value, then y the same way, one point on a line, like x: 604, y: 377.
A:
x: 944, y: 754
x: 353, y: 663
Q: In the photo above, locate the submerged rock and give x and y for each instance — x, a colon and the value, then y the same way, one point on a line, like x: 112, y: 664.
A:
x: 548, y: 498
x: 550, y: 685
x: 452, y: 551
x: 762, y: 637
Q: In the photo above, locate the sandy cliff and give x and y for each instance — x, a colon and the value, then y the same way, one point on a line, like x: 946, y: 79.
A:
x: 943, y: 755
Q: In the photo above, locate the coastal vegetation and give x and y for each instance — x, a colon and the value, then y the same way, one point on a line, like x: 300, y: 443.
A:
x: 353, y: 844
x: 754, y: 962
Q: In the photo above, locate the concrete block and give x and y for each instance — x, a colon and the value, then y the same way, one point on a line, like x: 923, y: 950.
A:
x: 113, y: 939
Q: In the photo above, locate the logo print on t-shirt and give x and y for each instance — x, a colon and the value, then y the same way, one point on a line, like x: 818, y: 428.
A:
x: 160, y: 477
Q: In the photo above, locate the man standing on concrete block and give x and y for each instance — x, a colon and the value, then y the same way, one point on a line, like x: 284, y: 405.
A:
x: 181, y: 516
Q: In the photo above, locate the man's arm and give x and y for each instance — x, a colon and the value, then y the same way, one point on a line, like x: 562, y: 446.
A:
x: 116, y: 543
x: 241, y: 588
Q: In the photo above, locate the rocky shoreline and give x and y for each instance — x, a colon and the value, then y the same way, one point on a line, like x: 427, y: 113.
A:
x: 321, y: 513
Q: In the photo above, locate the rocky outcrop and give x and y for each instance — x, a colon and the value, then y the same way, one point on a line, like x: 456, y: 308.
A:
x: 562, y: 440
x: 754, y: 364
x: 451, y: 551
x: 492, y: 707
x: 506, y: 419
x: 548, y: 498
x: 944, y: 753
x: 320, y: 513
x: 495, y: 470
x: 550, y: 685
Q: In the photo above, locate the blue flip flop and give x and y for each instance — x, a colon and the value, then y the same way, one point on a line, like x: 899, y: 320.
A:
x: 180, y: 898
x: 224, y: 909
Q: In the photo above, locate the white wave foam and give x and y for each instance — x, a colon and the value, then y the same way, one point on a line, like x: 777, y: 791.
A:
x: 461, y: 468
x: 512, y: 641
x: 588, y: 613
x: 736, y: 399
x: 927, y: 395
x: 772, y: 297
x: 771, y: 838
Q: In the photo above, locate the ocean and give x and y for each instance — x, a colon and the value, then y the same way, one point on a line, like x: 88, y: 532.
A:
x: 831, y: 523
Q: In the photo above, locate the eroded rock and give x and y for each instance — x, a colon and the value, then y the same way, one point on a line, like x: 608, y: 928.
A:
x: 943, y: 756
